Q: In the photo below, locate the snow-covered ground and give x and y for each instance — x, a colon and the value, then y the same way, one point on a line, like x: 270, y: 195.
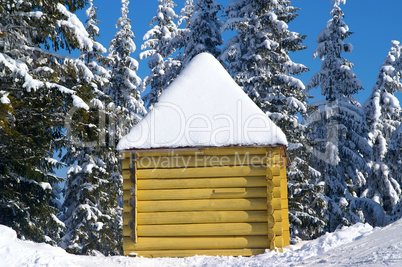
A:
x: 358, y: 245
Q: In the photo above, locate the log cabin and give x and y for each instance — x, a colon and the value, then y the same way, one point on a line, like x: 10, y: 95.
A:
x: 204, y: 172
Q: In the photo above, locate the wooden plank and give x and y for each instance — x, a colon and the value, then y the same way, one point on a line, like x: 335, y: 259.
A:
x: 276, y: 203
x: 276, y: 170
x: 126, y: 195
x: 227, y: 171
x: 127, y: 184
x: 200, y: 161
x: 189, y: 253
x: 202, y: 204
x: 278, y: 215
x: 126, y: 155
x: 126, y: 230
x: 201, y: 217
x: 126, y: 163
x: 277, y: 228
x: 205, y: 193
x: 190, y: 243
x: 255, y: 181
x: 276, y: 180
x: 204, y: 229
x: 203, y: 151
x: 276, y: 192
x: 126, y: 174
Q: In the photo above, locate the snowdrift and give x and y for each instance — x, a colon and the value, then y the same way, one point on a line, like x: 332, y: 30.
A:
x: 358, y: 245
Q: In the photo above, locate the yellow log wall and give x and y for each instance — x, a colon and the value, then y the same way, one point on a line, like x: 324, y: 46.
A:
x: 216, y: 201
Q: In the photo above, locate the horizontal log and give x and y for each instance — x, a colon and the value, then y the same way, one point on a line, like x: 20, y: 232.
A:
x: 255, y: 181
x: 126, y: 163
x: 126, y: 174
x: 201, y: 217
x: 154, y: 243
x: 202, y: 204
x: 270, y: 186
x: 127, y: 184
x: 277, y: 181
x: 126, y: 155
x: 126, y: 230
x: 276, y: 193
x: 276, y: 170
x: 278, y: 215
x: 200, y: 161
x: 188, y: 253
x: 205, y: 193
x: 277, y: 228
x: 268, y: 174
x: 126, y: 195
x: 207, y: 151
x: 227, y: 171
x: 205, y: 229
x: 276, y: 203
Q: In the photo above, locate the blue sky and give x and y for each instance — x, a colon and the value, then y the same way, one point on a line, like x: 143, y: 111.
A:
x: 374, y: 23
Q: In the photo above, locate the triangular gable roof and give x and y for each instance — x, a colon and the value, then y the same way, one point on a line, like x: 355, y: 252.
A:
x: 203, y: 107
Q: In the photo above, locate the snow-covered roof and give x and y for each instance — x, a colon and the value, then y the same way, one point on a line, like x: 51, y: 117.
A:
x: 203, y: 107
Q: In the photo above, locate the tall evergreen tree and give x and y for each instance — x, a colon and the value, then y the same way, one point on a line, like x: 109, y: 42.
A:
x: 124, y: 82
x: 382, y: 113
x: 340, y: 129
x: 90, y: 215
x: 258, y: 59
x: 38, y: 87
x: 161, y: 41
x: 204, y: 30
x: 124, y: 107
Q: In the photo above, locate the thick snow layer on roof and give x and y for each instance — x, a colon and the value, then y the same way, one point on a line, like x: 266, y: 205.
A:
x: 203, y: 107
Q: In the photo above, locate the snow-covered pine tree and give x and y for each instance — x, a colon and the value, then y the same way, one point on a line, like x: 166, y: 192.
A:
x: 204, y: 31
x: 340, y: 130
x: 37, y: 98
x: 124, y: 109
x: 90, y: 217
x: 258, y: 59
x: 124, y: 82
x: 161, y: 42
x: 382, y: 112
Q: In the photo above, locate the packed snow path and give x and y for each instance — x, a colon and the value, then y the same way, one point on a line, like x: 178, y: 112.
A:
x: 358, y: 245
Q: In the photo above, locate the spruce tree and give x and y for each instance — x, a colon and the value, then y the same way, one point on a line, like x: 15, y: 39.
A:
x: 204, y: 31
x: 340, y: 131
x: 160, y: 43
x: 90, y: 215
x: 123, y: 108
x: 38, y: 86
x: 382, y: 113
x: 258, y: 59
